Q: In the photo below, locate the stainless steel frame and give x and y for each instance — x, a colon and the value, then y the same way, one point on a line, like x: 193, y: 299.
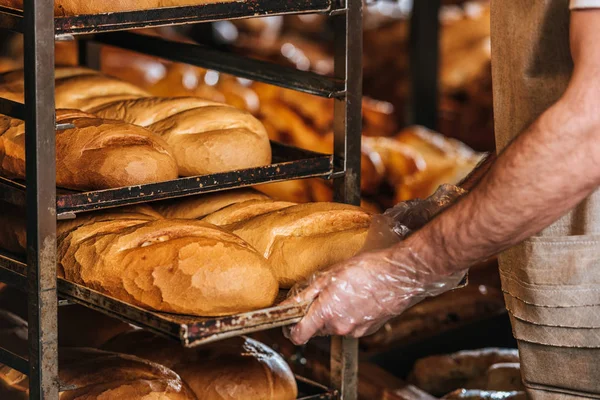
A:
x: 37, y: 274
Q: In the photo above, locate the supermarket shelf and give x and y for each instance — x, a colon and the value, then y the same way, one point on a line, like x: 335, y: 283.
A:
x: 228, y: 63
x: 288, y: 163
x: 190, y: 331
x: 84, y: 24
x: 310, y: 390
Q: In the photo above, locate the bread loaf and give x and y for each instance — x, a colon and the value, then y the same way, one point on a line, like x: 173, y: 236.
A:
x: 197, y: 207
x: 177, y: 266
x: 96, y: 154
x: 234, y: 369
x: 63, y: 8
x: 87, y: 374
x: 301, y: 240
x: 206, y: 137
x: 245, y: 211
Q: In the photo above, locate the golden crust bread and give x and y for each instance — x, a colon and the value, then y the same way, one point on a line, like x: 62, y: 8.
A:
x: 178, y: 266
x: 96, y: 154
x: 197, y: 207
x: 244, y: 211
x: 206, y: 137
x: 64, y: 8
x: 301, y: 240
x: 235, y: 369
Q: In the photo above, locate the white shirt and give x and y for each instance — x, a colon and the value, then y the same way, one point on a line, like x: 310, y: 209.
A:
x: 577, y: 4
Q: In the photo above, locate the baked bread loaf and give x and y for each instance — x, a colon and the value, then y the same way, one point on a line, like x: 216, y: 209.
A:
x: 197, y: 207
x: 301, y: 240
x: 234, y: 369
x: 63, y: 8
x: 177, y: 266
x: 206, y: 137
x: 96, y: 154
x: 87, y: 374
x: 244, y: 211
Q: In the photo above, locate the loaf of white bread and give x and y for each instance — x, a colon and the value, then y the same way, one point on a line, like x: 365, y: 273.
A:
x: 177, y: 266
x: 235, y: 369
x: 63, y: 8
x: 204, y: 137
x: 297, y: 240
x: 96, y: 154
x: 87, y: 374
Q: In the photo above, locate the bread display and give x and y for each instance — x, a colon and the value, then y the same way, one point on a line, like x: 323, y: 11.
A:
x: 64, y: 8
x: 177, y: 266
x: 439, y: 375
x: 245, y: 211
x: 235, y: 369
x: 206, y: 137
x: 96, y: 154
x: 300, y: 240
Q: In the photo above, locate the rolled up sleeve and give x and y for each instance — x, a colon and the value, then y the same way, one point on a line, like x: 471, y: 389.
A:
x: 579, y: 4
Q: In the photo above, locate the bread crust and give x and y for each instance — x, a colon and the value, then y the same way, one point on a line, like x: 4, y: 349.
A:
x: 236, y: 369
x: 177, y: 266
x: 96, y: 154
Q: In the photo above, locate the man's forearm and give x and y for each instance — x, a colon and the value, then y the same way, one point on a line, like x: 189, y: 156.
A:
x: 543, y: 174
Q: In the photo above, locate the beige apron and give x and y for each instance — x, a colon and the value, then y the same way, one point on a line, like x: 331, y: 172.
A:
x: 552, y: 281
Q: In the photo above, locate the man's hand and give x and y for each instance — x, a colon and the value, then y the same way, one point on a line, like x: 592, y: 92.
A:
x: 357, y: 297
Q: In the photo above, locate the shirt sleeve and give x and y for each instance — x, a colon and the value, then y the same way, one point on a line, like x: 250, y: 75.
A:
x: 579, y: 4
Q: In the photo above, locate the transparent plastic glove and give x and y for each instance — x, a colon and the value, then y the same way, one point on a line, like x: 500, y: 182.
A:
x: 356, y: 297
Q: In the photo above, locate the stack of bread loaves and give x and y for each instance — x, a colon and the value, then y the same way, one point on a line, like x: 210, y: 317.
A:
x: 203, y: 137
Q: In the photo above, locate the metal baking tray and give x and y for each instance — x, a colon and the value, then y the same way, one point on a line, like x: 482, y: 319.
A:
x: 288, y: 163
x: 310, y: 390
x: 83, y: 24
x: 190, y: 331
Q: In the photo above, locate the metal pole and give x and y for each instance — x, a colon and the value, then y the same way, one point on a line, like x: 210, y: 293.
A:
x: 347, y: 142
x: 424, y: 63
x: 41, y: 198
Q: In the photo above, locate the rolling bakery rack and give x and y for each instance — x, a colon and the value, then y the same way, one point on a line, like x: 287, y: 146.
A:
x: 44, y: 204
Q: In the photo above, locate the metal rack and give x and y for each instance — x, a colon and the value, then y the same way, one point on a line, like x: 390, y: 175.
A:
x: 37, y: 272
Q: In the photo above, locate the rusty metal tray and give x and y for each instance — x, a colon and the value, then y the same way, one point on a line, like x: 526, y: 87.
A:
x: 190, y: 331
x: 288, y: 163
x: 310, y: 390
x: 219, y: 10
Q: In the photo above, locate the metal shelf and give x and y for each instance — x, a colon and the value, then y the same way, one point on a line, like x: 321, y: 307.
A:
x: 109, y: 22
x: 190, y: 331
x: 243, y: 67
x: 288, y: 163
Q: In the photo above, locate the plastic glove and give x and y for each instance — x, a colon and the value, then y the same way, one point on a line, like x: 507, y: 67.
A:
x: 358, y: 296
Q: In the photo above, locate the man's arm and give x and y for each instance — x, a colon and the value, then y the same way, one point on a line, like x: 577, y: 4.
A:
x: 545, y: 172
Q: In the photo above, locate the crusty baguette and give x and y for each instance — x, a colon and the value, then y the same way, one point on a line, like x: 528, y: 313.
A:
x: 251, y: 370
x: 439, y: 375
x: 96, y: 154
x: 63, y: 8
x: 206, y: 137
x: 301, y: 240
x: 178, y: 266
x: 245, y: 211
x: 197, y: 207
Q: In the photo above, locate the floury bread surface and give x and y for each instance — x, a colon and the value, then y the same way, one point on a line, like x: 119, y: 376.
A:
x: 96, y: 154
x: 177, y: 266
x: 206, y: 137
x: 303, y: 239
